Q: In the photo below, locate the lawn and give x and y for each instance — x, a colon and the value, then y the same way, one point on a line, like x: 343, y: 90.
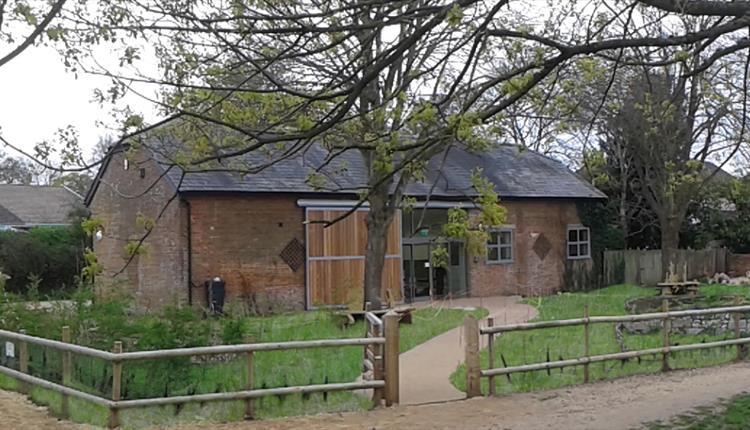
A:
x: 553, y: 344
x: 732, y: 414
x: 182, y: 376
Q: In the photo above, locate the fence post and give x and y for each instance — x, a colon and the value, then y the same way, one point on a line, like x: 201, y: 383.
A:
x: 392, y: 349
x: 114, y: 418
x: 23, y: 362
x: 473, y: 369
x: 665, y: 336
x: 491, y: 354
x: 736, y: 317
x: 249, y: 406
x: 66, y: 371
x: 378, y: 373
x: 586, y: 343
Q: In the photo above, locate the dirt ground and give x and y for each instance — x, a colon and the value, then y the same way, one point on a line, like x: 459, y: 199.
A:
x: 618, y: 404
x: 18, y: 413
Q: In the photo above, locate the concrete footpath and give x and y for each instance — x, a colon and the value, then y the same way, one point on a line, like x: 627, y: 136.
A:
x: 425, y: 370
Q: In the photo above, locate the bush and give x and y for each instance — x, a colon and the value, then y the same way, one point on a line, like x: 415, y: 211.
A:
x: 48, y: 259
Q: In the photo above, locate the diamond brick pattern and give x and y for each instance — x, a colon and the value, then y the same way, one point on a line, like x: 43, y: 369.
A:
x: 542, y: 247
x: 293, y: 254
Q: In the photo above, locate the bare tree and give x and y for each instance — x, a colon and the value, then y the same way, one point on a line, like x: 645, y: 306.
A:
x: 24, y: 23
x: 396, y: 81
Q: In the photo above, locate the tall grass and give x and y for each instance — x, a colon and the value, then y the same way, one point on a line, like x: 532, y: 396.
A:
x: 186, y: 377
x: 732, y: 414
x: 552, y: 344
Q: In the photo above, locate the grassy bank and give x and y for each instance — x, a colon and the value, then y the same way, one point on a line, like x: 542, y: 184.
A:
x: 184, y: 377
x: 732, y: 414
x: 567, y: 342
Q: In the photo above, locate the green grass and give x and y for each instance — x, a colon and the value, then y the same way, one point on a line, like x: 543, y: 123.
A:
x: 271, y: 369
x: 429, y: 322
x: 553, y: 344
x: 732, y: 414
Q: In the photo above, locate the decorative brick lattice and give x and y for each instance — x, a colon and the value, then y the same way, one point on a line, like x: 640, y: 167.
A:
x: 293, y: 254
x: 542, y: 247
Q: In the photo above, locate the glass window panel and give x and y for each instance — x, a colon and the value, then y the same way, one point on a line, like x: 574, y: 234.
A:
x: 505, y: 254
x: 572, y: 236
x: 505, y: 237
x: 583, y: 235
x: 573, y: 250
x: 492, y: 240
x: 454, y: 251
x: 492, y: 254
x: 584, y: 249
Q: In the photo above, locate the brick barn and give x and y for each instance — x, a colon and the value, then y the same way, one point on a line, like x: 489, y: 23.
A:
x: 255, y: 231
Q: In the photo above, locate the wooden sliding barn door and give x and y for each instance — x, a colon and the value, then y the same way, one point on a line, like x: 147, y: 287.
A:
x: 336, y: 258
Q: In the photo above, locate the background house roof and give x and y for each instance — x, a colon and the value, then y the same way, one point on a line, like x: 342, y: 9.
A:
x: 515, y: 174
x: 29, y: 205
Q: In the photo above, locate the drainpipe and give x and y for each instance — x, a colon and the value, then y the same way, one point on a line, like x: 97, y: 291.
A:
x: 189, y: 254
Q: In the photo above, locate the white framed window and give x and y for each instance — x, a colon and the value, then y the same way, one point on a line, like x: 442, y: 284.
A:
x: 500, y: 246
x: 579, y: 242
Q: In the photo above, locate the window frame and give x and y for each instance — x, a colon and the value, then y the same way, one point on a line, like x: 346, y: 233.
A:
x: 577, y: 243
x: 497, y: 245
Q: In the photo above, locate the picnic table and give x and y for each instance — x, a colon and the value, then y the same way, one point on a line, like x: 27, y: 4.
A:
x: 678, y: 288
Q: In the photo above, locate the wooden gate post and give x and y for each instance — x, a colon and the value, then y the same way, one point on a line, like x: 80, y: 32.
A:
x: 491, y: 354
x: 736, y: 317
x: 667, y: 326
x: 378, y: 370
x: 473, y: 375
x: 586, y: 343
x: 114, y: 415
x: 23, y: 363
x: 249, y: 404
x: 66, y: 371
x: 392, y: 350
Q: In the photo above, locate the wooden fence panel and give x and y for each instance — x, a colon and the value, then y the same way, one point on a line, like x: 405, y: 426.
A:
x: 643, y: 267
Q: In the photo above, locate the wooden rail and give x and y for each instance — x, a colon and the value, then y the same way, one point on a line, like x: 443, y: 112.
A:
x: 381, y: 336
x: 472, y: 333
x: 613, y: 319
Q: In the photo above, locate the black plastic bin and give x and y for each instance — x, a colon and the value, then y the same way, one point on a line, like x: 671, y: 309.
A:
x: 215, y: 290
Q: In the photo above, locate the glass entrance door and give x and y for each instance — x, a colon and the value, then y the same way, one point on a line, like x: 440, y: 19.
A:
x: 422, y: 280
x: 417, y: 270
x: 457, y: 269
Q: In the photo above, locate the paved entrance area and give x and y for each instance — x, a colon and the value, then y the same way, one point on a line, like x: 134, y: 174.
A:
x: 426, y: 369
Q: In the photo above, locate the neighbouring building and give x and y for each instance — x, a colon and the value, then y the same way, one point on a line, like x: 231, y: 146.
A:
x: 258, y: 231
x: 26, y: 206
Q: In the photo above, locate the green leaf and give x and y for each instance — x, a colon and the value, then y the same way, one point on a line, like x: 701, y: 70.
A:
x: 455, y: 15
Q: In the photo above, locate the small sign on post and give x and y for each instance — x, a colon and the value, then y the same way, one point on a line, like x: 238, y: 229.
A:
x: 10, y: 350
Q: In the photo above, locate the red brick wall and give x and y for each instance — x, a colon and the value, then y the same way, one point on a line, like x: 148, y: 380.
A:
x: 156, y: 277
x: 239, y: 238
x: 528, y: 274
x: 739, y: 264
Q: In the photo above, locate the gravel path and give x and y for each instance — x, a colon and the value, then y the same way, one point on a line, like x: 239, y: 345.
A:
x: 619, y: 404
x: 426, y: 369
x: 18, y: 413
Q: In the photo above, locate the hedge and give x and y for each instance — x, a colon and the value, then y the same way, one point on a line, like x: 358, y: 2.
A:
x: 43, y: 260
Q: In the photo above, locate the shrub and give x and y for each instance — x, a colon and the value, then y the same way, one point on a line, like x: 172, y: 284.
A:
x: 48, y: 259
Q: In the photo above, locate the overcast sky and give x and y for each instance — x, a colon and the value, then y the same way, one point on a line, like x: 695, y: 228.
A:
x: 37, y: 96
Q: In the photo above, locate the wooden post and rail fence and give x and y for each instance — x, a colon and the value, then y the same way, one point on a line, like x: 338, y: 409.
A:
x: 381, y: 357
x: 473, y: 332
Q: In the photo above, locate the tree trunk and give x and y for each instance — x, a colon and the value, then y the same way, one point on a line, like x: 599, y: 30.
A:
x: 378, y: 221
x: 670, y: 241
x: 624, y: 210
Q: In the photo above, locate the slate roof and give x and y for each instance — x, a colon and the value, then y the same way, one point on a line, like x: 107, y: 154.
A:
x: 30, y: 205
x: 516, y: 174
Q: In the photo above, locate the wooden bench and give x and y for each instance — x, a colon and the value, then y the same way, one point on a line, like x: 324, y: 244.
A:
x: 678, y: 288
x: 404, y: 314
